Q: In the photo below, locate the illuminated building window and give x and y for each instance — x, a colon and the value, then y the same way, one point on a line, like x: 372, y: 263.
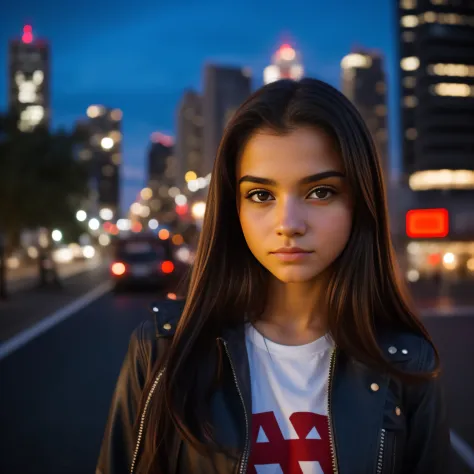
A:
x: 297, y: 72
x: 439, y: 2
x: 409, y: 21
x: 442, y: 179
x: 116, y: 136
x: 430, y: 17
x: 38, y: 77
x: 447, y: 89
x: 94, y: 111
x: 356, y: 60
x: 409, y: 82
x: 452, y: 70
x: 408, y: 4
x: 411, y: 133
x: 410, y: 64
x: 410, y: 101
x: 116, y: 115
x: 30, y: 117
x: 381, y: 110
x: 408, y: 36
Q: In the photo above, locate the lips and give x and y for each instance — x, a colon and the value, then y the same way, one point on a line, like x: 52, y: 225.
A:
x: 290, y: 250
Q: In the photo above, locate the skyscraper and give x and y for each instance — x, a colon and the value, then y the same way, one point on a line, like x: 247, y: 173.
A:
x: 102, y: 150
x: 190, y: 136
x: 436, y: 68
x: 28, y: 74
x: 286, y: 64
x: 162, y: 175
x: 225, y: 89
x: 363, y: 82
x: 436, y: 63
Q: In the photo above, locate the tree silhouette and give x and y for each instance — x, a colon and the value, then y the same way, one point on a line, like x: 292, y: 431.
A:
x: 42, y: 184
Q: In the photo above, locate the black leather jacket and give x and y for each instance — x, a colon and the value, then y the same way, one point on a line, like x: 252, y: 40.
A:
x: 378, y: 425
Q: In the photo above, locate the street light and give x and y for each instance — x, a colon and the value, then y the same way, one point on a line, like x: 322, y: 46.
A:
x: 180, y: 200
x: 94, y: 224
x: 146, y: 194
x: 57, y: 235
x: 106, y: 214
x: 81, y: 215
x: 198, y: 210
x: 107, y: 143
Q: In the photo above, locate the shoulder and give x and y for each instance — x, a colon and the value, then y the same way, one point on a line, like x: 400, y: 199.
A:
x: 149, y: 337
x: 409, y: 350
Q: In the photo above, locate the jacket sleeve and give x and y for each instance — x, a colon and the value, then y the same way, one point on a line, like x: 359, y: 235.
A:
x: 120, y: 434
x: 428, y: 444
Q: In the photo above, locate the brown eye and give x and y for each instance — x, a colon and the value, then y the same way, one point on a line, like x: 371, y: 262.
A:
x: 259, y: 196
x: 322, y: 193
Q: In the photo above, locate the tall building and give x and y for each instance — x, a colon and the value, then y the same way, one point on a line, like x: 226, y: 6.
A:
x: 225, y: 89
x: 286, y: 64
x: 162, y: 177
x: 102, y: 150
x: 436, y: 69
x: 190, y: 136
x: 162, y: 164
x: 436, y: 64
x: 363, y: 82
x: 29, y: 78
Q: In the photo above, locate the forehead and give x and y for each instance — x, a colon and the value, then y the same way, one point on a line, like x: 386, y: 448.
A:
x: 289, y: 157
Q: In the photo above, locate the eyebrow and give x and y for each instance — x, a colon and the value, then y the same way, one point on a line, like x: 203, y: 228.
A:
x: 306, y: 180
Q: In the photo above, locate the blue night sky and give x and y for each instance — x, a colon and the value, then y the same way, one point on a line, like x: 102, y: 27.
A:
x: 140, y: 56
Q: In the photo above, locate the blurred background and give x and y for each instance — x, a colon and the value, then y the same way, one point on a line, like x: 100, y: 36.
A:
x: 110, y: 118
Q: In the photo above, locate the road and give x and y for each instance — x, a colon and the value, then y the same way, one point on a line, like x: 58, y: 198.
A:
x: 55, y: 390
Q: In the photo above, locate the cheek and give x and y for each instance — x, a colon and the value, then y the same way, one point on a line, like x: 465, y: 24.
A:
x: 333, y: 228
x: 254, y: 229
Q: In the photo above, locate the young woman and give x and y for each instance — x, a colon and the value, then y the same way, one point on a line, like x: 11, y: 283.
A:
x: 295, y: 350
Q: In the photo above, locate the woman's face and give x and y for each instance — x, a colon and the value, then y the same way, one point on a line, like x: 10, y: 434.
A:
x: 292, y: 193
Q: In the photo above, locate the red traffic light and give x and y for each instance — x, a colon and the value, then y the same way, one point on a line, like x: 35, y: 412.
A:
x: 427, y: 223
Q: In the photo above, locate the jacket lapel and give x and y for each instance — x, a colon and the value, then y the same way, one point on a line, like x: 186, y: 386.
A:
x: 357, y: 399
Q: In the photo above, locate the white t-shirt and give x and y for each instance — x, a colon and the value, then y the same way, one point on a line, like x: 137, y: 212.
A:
x: 290, y: 431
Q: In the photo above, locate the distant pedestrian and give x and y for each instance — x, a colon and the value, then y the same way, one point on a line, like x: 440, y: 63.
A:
x: 295, y: 349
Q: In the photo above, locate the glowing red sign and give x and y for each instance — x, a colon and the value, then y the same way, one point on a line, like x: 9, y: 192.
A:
x: 427, y: 223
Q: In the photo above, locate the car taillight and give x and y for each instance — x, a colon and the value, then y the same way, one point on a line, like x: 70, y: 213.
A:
x: 118, y: 268
x: 167, y: 267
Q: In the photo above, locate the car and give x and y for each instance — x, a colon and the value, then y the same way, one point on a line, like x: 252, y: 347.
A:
x: 142, y: 261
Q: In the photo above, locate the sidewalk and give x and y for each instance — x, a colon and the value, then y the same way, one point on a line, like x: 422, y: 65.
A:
x: 25, y: 278
x: 28, y: 304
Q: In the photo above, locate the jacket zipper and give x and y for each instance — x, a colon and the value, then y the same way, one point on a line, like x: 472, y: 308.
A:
x: 332, y: 364
x: 245, y: 454
x: 142, y: 421
x: 381, y: 450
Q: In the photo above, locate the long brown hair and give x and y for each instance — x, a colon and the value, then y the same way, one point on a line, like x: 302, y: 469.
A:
x: 227, y: 281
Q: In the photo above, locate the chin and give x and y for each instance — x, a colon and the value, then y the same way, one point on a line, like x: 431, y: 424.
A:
x: 296, y: 275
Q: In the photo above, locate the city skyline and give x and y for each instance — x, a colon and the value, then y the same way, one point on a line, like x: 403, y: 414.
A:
x: 139, y: 60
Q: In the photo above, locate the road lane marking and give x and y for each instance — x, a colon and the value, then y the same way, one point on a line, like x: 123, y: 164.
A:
x: 465, y: 452
x: 26, y: 336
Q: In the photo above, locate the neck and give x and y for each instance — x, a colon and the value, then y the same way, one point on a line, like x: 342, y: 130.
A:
x: 295, y: 313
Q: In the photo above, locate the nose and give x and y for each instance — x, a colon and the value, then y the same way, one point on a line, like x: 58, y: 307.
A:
x: 291, y: 218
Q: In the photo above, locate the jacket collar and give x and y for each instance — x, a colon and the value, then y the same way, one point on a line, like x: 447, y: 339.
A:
x: 358, y: 395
